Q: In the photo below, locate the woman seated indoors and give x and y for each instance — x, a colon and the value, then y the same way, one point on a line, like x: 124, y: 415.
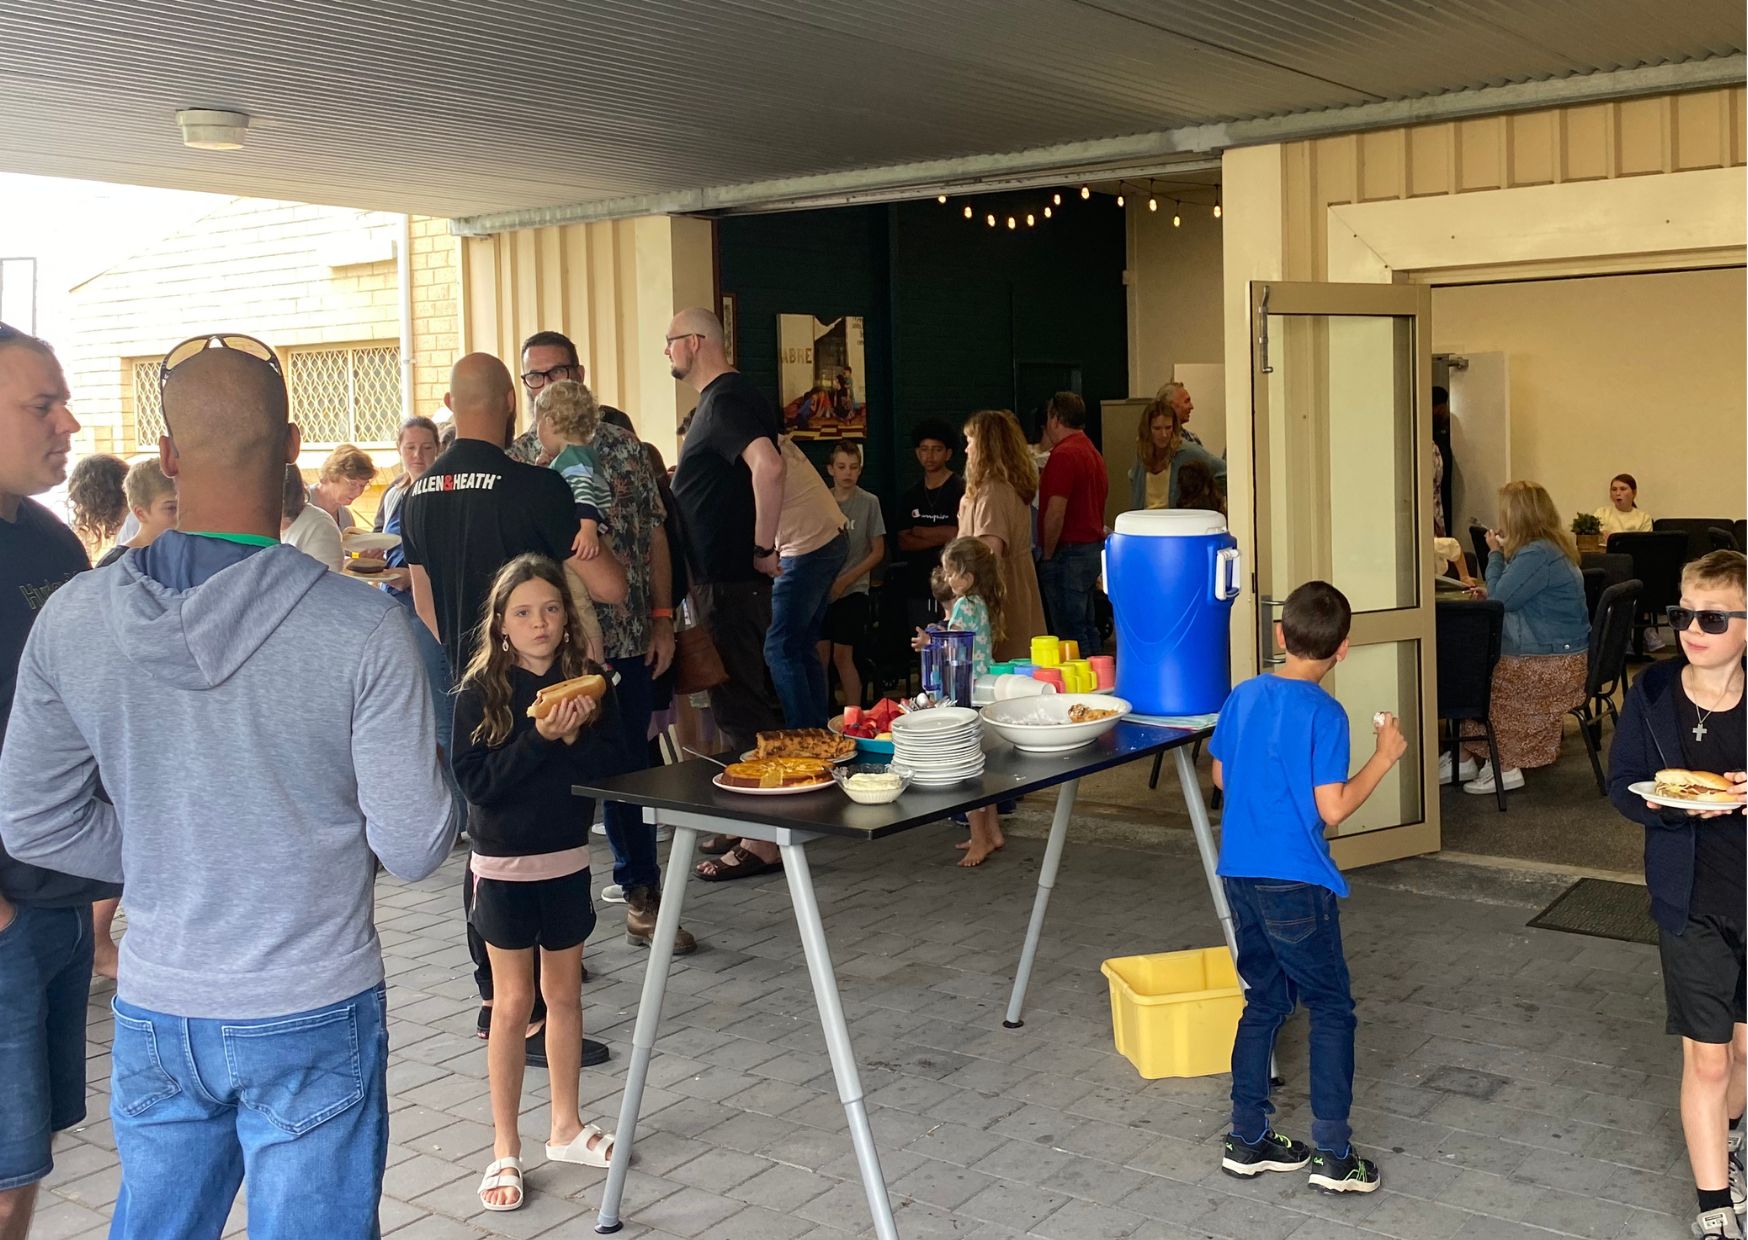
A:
x: 1622, y: 514
x: 1532, y: 568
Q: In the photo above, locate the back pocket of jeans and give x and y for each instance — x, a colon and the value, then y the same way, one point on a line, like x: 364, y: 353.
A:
x: 137, y: 1078
x: 1289, y: 910
x: 299, y: 1072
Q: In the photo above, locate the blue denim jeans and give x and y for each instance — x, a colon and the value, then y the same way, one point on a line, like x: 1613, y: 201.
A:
x: 45, y: 978
x: 799, y: 598
x: 436, y: 665
x: 1067, y: 581
x: 632, y: 839
x: 1289, y: 950
x: 297, y: 1104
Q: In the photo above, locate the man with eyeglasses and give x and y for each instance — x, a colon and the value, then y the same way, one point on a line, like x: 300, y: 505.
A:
x: 638, y: 633
x: 45, y: 914
x: 251, y: 1035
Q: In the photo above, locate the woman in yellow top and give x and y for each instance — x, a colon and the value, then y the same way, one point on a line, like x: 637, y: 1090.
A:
x: 1622, y: 515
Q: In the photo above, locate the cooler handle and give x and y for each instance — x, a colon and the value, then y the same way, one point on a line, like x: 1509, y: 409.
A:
x: 1226, y: 574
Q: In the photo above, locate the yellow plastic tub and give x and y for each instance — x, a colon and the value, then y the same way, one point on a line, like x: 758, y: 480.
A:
x: 1175, y: 1013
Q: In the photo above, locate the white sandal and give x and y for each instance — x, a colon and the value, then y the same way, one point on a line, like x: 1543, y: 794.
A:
x: 499, y: 1175
x: 580, y: 1151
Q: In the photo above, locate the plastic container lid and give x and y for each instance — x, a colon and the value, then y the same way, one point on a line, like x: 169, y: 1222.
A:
x: 1170, y: 522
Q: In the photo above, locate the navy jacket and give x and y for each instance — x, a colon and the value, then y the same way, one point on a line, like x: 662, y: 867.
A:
x: 1647, y: 740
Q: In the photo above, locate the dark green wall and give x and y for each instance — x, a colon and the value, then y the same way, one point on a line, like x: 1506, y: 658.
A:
x: 956, y: 313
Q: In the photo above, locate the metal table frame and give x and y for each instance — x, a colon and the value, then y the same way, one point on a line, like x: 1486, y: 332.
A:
x: 688, y: 825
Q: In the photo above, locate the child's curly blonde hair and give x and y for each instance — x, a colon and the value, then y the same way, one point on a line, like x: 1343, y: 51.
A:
x: 572, y: 409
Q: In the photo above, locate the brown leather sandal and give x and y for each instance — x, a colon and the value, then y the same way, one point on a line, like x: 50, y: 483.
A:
x: 737, y: 862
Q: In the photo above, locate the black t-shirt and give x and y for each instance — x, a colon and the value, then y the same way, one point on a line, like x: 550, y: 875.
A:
x: 926, y: 509
x: 1720, y: 844
x: 38, y: 553
x: 472, y: 513
x: 712, y: 484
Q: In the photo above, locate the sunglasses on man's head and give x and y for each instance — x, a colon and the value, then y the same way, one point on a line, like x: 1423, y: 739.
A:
x: 1713, y: 622
x: 196, y: 345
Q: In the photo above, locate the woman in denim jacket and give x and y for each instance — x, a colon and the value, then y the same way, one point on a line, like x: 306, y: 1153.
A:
x: 1533, y: 570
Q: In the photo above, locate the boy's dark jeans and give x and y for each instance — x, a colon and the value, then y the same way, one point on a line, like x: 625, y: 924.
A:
x: 1289, y: 949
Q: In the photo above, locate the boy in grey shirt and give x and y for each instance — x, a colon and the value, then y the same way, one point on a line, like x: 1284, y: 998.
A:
x: 846, y: 621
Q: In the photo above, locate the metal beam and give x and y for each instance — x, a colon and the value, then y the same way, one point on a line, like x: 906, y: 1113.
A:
x: 1169, y: 150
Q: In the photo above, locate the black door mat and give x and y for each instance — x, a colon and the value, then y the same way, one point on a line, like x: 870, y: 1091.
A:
x: 1602, y: 909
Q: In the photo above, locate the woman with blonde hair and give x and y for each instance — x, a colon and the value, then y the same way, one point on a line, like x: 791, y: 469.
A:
x: 1000, y: 481
x: 1532, y: 568
x: 343, y: 478
x: 1162, y: 448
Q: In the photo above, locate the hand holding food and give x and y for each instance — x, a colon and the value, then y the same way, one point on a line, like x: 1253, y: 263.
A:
x: 587, y: 686
x: 1728, y: 791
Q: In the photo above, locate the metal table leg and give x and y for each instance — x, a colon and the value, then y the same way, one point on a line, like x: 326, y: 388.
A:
x: 837, y: 1033
x: 1204, y: 830
x: 1041, y: 902
x: 649, y: 1018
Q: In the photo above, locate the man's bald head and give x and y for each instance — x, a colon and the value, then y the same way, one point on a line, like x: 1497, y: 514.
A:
x: 227, y: 410
x: 697, y: 321
x: 694, y: 347
x: 482, y: 396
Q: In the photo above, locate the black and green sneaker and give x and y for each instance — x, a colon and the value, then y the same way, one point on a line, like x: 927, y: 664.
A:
x: 1273, y: 1153
x: 1346, y: 1174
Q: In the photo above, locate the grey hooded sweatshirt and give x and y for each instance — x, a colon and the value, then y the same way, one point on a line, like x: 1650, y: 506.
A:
x: 261, y: 733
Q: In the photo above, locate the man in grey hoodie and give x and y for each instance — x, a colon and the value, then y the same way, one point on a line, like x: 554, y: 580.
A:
x: 250, y: 1024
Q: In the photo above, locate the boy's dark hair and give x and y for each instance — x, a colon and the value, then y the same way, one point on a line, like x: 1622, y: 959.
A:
x: 936, y: 429
x: 1067, y: 408
x: 846, y: 447
x: 553, y: 340
x: 1440, y: 396
x: 1315, y: 620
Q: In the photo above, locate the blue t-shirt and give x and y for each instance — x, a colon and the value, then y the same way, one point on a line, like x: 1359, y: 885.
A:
x: 1277, y: 740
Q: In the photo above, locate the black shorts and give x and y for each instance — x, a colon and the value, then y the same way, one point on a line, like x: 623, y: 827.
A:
x: 551, y: 913
x: 1703, y: 980
x: 846, y: 621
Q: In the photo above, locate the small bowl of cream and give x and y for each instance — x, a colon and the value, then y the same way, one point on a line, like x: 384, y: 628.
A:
x: 871, y: 783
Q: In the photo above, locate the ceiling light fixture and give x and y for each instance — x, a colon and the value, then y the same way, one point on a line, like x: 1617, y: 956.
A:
x: 1217, y: 211
x: 1012, y: 222
x: 1031, y: 220
x: 1085, y: 192
x: 207, y: 130
x: 967, y: 210
x: 1152, y: 203
x: 1119, y: 200
x: 1177, y: 220
x: 942, y: 199
x: 991, y: 219
x: 1056, y: 200
x: 1046, y: 212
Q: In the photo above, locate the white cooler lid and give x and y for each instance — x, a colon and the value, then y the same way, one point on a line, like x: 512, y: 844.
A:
x: 1170, y: 522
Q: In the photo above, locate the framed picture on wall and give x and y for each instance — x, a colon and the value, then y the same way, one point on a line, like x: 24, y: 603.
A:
x: 821, y: 376
x: 727, y: 315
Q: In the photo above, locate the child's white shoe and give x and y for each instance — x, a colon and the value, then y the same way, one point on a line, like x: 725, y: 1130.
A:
x: 1482, y: 785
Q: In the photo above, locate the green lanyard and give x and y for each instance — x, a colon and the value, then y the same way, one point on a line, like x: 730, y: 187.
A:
x: 248, y: 540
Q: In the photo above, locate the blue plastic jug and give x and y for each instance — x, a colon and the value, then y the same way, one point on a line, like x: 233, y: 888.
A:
x: 1172, y: 574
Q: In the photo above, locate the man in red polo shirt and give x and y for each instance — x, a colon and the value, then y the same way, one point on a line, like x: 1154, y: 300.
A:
x: 1071, y: 534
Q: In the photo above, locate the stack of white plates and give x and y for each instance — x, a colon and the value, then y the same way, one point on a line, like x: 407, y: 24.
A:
x: 941, y: 746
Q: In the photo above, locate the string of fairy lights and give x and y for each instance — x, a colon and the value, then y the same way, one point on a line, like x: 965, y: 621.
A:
x: 1178, y: 197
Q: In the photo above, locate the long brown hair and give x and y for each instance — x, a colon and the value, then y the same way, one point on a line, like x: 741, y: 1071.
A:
x: 489, y: 668
x: 1002, y: 454
x: 96, y: 499
x: 1153, y: 459
x: 973, y: 557
x: 1527, y: 514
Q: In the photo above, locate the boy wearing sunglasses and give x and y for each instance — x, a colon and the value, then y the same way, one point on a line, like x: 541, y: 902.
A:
x: 1688, y: 713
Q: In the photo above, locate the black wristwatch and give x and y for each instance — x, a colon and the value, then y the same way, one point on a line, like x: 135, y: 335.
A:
x: 760, y: 553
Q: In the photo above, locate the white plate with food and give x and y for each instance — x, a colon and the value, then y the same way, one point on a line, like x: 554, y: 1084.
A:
x: 773, y: 792
x: 1676, y: 788
x: 752, y: 755
x: 1055, y: 723
x: 369, y: 540
x: 775, y: 776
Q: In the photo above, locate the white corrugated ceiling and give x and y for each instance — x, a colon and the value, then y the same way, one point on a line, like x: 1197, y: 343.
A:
x: 469, y: 108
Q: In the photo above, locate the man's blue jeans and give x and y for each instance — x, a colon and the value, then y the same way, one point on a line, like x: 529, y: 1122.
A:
x: 298, y: 1104
x: 1068, y: 580
x: 632, y: 839
x: 1289, y: 950
x: 799, y: 598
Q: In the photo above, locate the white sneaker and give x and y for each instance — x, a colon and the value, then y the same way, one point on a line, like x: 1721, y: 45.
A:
x: 1482, y: 784
x: 613, y: 893
x: 1467, y: 768
x: 1654, y: 640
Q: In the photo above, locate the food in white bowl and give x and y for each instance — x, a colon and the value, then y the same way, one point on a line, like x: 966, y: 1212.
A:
x: 1056, y: 723
x: 872, y: 783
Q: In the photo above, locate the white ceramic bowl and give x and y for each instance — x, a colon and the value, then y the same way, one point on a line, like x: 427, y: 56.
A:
x: 1040, y: 724
x: 842, y: 775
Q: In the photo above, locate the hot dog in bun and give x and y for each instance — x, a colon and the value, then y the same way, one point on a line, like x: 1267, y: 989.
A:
x: 548, y: 699
x: 1683, y: 785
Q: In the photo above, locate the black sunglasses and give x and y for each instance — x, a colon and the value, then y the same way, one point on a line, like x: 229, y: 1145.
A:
x: 1713, y: 622
x: 196, y: 345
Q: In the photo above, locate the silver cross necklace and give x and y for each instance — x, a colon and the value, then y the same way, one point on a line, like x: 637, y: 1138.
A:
x: 1699, y: 729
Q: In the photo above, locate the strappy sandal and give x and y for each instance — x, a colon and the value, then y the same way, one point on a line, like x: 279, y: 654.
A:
x: 716, y: 845
x: 737, y: 862
x: 589, y: 1148
x: 504, y: 1173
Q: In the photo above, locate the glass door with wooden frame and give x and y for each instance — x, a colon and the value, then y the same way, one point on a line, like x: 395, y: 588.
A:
x: 1341, y: 375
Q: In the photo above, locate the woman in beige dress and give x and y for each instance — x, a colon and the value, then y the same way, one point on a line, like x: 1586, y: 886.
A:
x: 1000, y: 481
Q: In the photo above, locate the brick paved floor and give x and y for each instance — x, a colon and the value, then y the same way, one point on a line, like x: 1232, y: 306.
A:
x: 1511, y: 1082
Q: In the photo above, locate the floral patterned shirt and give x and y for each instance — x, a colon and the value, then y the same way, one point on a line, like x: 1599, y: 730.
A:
x: 637, y: 514
x: 970, y: 612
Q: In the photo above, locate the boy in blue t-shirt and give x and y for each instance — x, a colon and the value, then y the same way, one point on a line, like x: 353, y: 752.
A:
x: 1281, y: 755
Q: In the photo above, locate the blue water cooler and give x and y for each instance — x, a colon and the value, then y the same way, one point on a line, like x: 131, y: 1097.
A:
x: 1172, y: 574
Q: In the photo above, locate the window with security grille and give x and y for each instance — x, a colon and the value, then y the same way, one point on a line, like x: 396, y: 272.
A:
x: 345, y: 394
x: 148, y: 402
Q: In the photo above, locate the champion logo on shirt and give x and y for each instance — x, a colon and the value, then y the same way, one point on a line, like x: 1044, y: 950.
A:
x: 455, y: 482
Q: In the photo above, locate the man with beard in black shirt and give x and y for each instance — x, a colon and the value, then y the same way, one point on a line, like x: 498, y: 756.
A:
x: 45, y: 916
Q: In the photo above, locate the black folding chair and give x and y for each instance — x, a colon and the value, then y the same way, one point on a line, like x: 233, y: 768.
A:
x: 1722, y: 539
x: 1611, y: 632
x: 1697, y: 530
x: 1657, y: 560
x: 1478, y: 536
x: 1595, y: 582
x: 1469, y: 633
